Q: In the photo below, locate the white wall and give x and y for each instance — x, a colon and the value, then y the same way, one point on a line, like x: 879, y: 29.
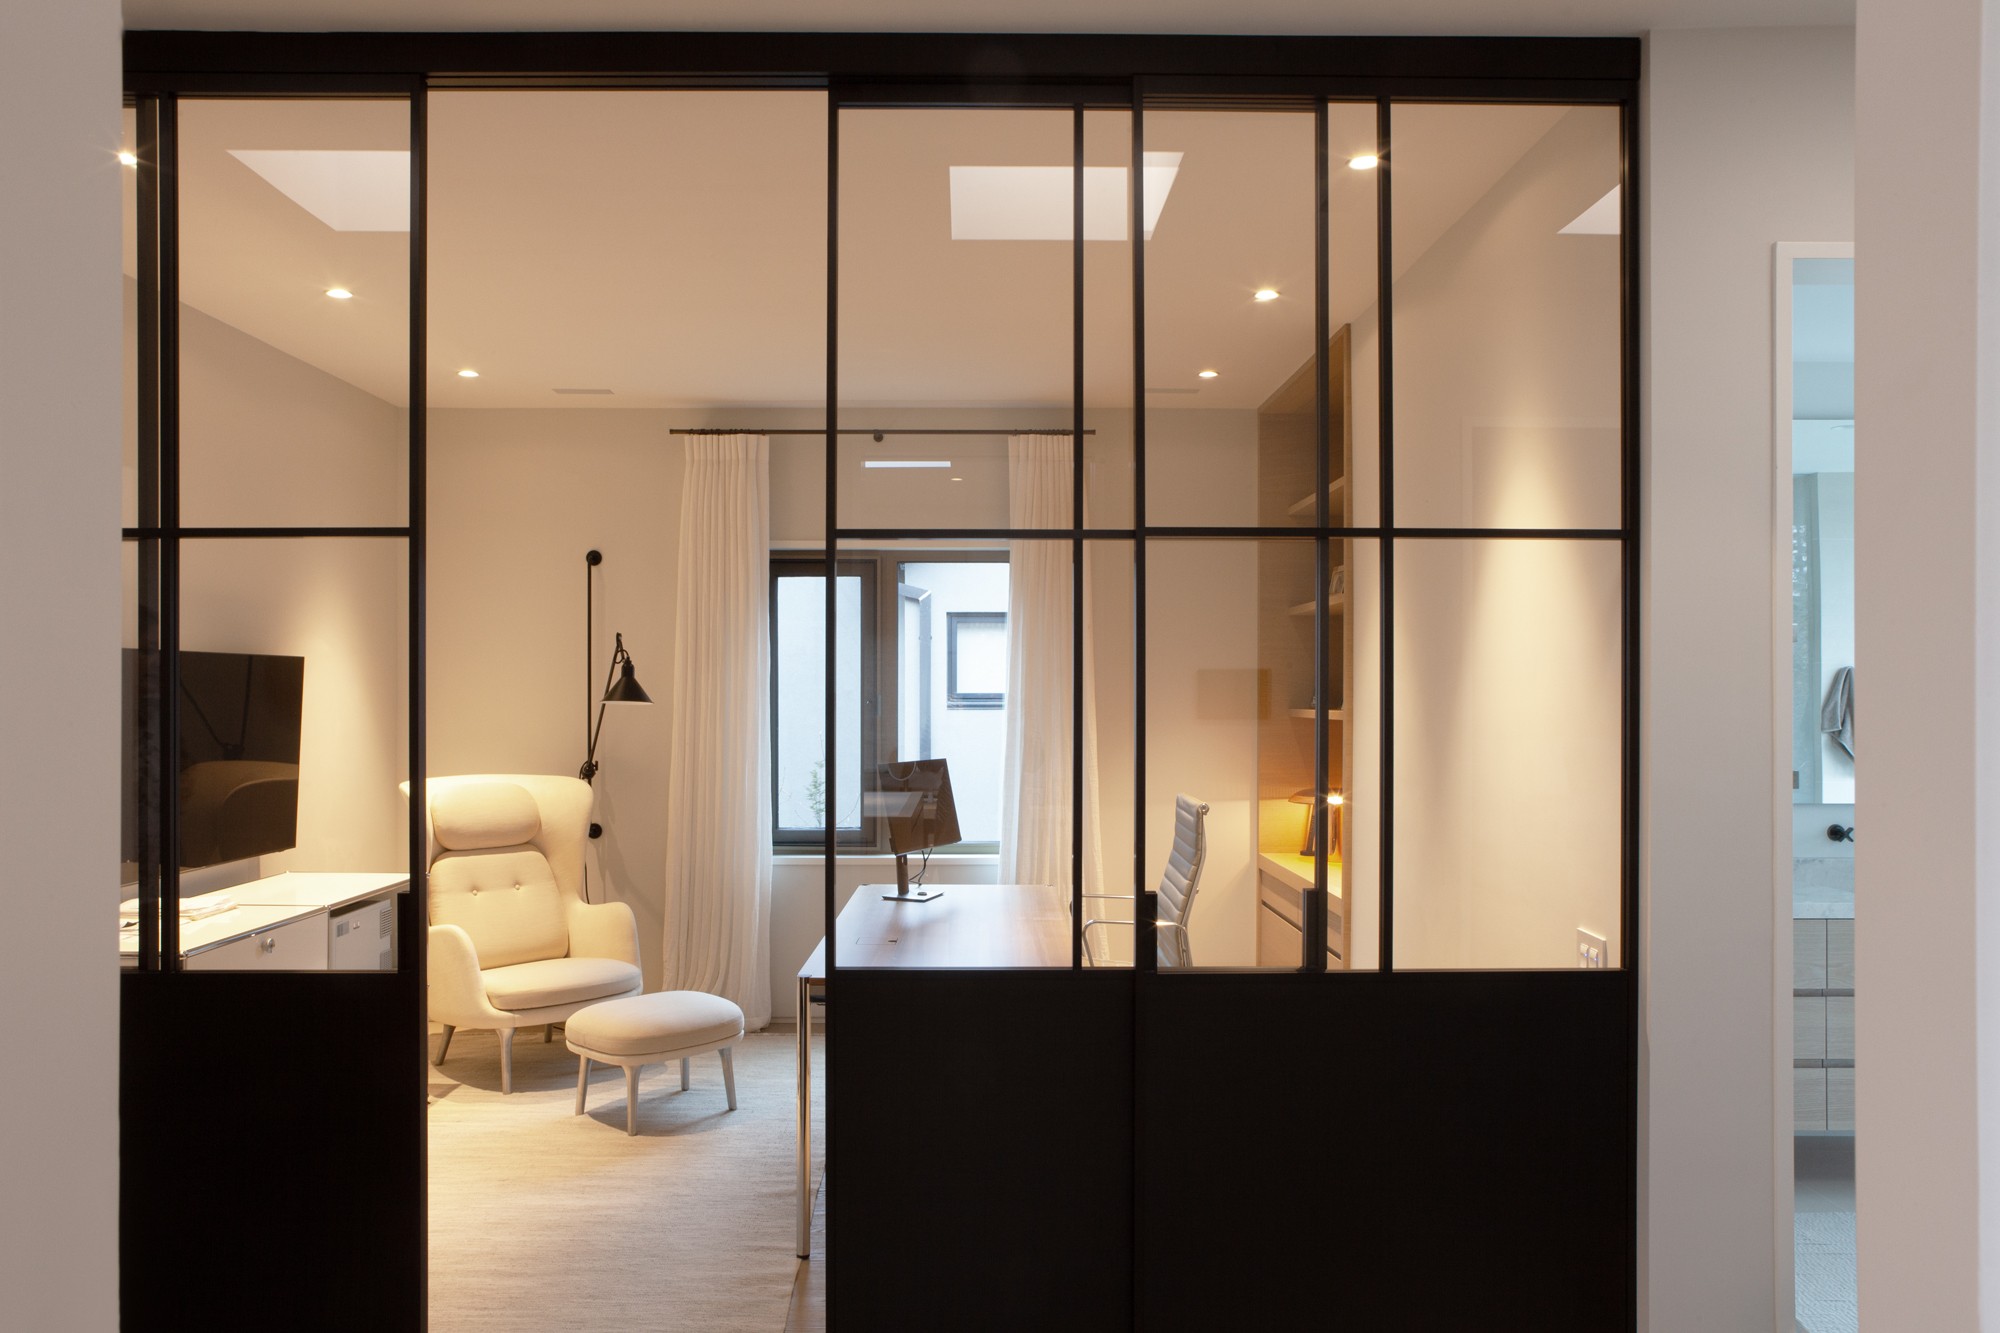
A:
x: 1748, y: 141
x: 59, y: 464
x: 1927, y: 508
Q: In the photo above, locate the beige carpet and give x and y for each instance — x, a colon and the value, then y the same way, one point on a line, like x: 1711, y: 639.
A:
x: 544, y: 1220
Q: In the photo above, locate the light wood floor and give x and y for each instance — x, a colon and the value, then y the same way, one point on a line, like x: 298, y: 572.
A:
x: 808, y: 1313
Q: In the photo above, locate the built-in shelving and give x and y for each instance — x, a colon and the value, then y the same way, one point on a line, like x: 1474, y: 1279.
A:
x: 1307, y: 714
x: 1337, y: 602
x: 1307, y: 505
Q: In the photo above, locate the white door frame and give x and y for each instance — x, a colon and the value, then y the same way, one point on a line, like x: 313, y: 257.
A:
x: 1785, y: 1314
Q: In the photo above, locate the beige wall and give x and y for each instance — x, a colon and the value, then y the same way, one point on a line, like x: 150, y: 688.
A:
x: 1749, y: 141
x: 59, y: 434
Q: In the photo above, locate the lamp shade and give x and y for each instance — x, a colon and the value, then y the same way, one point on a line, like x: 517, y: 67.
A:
x: 626, y: 689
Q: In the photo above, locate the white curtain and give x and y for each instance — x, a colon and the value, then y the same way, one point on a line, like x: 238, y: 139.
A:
x: 1035, y: 784
x: 718, y: 825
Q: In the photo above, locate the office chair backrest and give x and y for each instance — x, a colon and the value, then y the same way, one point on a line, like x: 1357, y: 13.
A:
x: 1182, y: 878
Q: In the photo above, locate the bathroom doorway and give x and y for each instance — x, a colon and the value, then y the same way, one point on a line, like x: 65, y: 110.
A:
x: 1815, y: 445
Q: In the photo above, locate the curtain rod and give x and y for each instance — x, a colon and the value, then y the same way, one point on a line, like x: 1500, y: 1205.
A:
x: 878, y: 434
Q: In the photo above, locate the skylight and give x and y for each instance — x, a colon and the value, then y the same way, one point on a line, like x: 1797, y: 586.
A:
x: 347, y: 189
x: 1600, y: 219
x: 1038, y: 203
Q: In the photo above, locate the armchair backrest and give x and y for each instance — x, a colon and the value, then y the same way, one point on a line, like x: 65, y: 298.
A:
x: 506, y: 858
x: 1182, y: 878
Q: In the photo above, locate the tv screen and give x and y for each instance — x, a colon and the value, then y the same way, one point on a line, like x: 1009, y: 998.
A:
x: 237, y: 780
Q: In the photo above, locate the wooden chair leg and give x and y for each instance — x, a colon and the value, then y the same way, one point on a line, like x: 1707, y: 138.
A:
x: 631, y: 1099
x: 684, y: 1074
x: 582, y: 1080
x: 444, y: 1045
x: 729, y: 1074
x: 506, y: 1060
x: 548, y: 1033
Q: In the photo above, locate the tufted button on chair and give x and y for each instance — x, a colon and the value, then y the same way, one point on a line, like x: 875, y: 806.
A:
x: 533, y: 956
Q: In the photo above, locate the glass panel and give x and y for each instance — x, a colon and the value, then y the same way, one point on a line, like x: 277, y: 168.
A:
x: 1230, y: 272
x: 956, y: 297
x: 1231, y: 723
x: 798, y: 656
x: 139, y: 720
x: 965, y: 802
x: 294, y: 319
x: 294, y: 748
x: 1508, y: 752
x: 1354, y: 379
x: 128, y: 169
x: 1506, y: 253
x: 1107, y: 320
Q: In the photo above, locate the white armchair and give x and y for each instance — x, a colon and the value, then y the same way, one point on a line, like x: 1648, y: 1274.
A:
x: 512, y: 943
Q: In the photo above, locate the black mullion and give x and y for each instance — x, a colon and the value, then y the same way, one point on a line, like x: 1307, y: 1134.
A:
x: 1386, y: 449
x: 1528, y: 534
x: 985, y: 534
x: 831, y: 845
x: 413, y: 911
x: 1145, y: 906
x: 224, y: 534
x: 1314, y: 945
x: 168, y: 171
x: 1076, y: 814
x: 150, y: 762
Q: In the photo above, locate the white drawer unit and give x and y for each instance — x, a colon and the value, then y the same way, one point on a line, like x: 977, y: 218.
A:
x: 296, y: 946
x: 1823, y: 1025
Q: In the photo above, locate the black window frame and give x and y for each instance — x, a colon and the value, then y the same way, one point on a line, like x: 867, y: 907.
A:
x: 798, y: 565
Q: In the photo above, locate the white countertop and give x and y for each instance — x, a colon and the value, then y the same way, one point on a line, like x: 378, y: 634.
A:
x: 263, y: 904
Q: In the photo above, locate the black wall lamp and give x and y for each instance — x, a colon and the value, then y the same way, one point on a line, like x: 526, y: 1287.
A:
x: 621, y: 686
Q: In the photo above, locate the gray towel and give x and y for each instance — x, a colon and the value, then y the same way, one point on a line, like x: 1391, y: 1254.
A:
x: 1836, y: 715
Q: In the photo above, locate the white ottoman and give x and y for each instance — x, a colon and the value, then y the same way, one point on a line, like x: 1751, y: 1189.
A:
x: 644, y: 1030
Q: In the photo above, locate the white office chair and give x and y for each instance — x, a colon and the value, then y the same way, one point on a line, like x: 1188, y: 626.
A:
x: 1177, y: 888
x: 512, y: 943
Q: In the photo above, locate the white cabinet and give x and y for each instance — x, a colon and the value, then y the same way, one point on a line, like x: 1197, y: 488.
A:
x: 298, y: 945
x: 1822, y: 1024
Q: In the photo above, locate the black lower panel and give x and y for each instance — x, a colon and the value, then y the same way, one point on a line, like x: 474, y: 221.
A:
x: 979, y: 1151
x: 272, y: 1140
x: 1421, y: 1151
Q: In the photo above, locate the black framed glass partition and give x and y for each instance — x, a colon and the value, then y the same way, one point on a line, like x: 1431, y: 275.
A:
x: 1367, y: 589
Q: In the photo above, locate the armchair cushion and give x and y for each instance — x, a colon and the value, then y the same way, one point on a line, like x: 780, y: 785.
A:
x: 551, y: 981
x: 473, y: 815
x: 506, y: 901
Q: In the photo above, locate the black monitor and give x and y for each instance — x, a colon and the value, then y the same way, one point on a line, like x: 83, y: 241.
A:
x: 237, y: 779
x: 913, y: 798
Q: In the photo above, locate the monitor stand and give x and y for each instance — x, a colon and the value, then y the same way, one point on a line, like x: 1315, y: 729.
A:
x: 904, y: 893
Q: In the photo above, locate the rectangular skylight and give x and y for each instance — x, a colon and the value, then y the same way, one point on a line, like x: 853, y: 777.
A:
x: 1038, y: 203
x: 347, y: 189
x: 1600, y: 219
x: 907, y: 462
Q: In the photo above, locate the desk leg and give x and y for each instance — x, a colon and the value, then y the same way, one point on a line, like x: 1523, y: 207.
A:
x: 805, y: 1118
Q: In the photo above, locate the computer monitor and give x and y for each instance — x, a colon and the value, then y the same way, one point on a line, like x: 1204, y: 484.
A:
x: 914, y: 799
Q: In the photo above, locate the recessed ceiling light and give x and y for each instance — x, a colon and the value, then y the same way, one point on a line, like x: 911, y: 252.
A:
x: 347, y: 190
x: 128, y: 158
x: 1267, y: 294
x: 906, y: 462
x: 1207, y: 374
x: 340, y: 293
x: 1600, y: 219
x: 1039, y: 203
x: 1365, y: 162
x: 468, y: 374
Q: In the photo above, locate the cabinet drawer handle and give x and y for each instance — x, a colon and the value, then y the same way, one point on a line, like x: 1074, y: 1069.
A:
x: 269, y: 943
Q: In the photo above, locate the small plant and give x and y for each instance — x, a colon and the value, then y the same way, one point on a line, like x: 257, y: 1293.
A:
x: 816, y: 792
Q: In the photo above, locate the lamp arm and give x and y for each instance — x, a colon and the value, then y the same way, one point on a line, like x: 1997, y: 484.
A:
x: 589, y: 769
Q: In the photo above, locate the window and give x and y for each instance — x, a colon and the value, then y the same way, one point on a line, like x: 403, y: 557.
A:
x: 976, y: 672
x: 901, y: 693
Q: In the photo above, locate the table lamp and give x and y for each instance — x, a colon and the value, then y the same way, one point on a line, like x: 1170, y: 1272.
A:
x: 1314, y: 821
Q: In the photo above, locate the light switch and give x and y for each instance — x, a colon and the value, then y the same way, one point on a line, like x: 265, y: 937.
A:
x: 1592, y: 951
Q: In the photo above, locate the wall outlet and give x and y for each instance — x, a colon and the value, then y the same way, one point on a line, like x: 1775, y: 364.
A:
x: 1591, y: 950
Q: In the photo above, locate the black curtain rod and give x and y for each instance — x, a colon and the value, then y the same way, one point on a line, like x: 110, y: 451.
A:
x: 878, y: 434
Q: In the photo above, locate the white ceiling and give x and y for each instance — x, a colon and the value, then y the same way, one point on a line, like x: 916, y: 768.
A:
x: 1582, y: 18
x: 670, y: 247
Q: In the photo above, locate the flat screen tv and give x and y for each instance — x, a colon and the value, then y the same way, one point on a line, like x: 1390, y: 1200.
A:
x: 237, y: 780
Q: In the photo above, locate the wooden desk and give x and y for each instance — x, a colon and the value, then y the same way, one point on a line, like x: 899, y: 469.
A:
x: 971, y: 925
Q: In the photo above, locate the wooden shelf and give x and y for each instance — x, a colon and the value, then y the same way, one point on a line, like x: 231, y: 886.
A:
x: 1334, y: 603
x: 1306, y: 714
x: 1306, y: 506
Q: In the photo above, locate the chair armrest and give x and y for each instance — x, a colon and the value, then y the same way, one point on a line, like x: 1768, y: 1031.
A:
x: 1113, y: 897
x: 457, y: 995
x: 603, y: 930
x: 1103, y: 921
